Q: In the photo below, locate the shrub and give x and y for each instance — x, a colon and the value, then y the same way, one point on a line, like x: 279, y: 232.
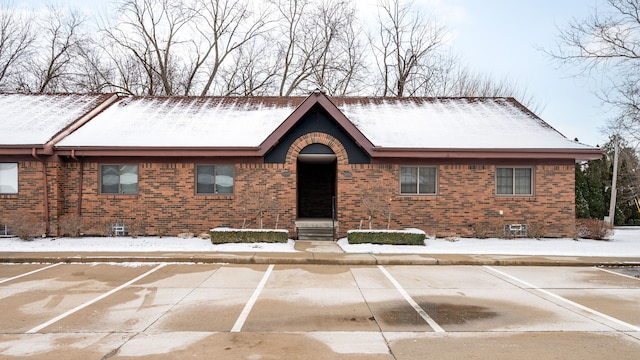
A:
x: 386, y: 237
x: 535, y: 230
x: 26, y: 226
x: 482, y: 230
x: 593, y: 229
x: 227, y: 235
x: 70, y: 225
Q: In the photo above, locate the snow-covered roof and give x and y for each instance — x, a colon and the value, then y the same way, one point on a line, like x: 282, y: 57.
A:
x: 376, y: 124
x: 420, y: 123
x: 34, y: 119
x: 184, y: 122
x: 452, y: 123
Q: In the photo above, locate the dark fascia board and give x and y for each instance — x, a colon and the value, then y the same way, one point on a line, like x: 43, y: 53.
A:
x: 577, y: 154
x: 321, y: 99
x: 19, y: 149
x: 158, y: 152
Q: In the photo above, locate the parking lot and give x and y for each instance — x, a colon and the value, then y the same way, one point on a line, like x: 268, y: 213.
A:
x: 176, y: 311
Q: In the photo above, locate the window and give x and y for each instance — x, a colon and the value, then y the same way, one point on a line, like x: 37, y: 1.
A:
x: 514, y: 181
x: 8, y: 178
x: 214, y: 179
x: 119, y: 179
x: 418, y: 180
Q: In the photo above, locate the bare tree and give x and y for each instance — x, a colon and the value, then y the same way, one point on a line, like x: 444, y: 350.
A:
x: 227, y: 26
x: 404, y: 46
x: 607, y: 44
x: 309, y: 37
x: 53, y: 64
x: 253, y: 72
x: 156, y: 33
x: 16, y: 38
x: 341, y: 67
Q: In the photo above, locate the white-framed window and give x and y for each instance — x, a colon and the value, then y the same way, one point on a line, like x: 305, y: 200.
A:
x: 418, y: 180
x: 514, y: 181
x: 214, y: 179
x: 119, y: 179
x: 8, y: 178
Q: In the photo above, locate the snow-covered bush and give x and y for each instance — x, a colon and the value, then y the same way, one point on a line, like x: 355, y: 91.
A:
x: 228, y: 235
x: 388, y: 237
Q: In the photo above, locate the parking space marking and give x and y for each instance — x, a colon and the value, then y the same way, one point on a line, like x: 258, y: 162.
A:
x: 252, y: 300
x: 434, y: 325
x: 29, y: 273
x: 93, y: 301
x: 616, y: 273
x: 565, y: 300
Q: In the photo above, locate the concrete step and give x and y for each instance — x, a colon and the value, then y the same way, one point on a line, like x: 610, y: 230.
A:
x: 314, y: 229
x: 315, y: 233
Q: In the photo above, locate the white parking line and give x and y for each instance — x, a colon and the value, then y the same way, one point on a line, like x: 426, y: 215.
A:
x: 252, y: 300
x: 617, y: 273
x: 29, y: 273
x: 90, y: 302
x: 558, y: 297
x: 412, y: 302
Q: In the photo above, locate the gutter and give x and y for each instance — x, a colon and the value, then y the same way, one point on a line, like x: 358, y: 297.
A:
x: 80, y: 181
x: 488, y: 153
x: 46, y: 189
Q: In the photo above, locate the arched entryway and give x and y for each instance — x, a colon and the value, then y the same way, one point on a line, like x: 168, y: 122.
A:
x: 316, y: 169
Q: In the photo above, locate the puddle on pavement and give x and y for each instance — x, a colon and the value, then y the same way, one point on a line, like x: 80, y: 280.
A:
x: 401, y: 314
x: 447, y: 313
x: 456, y: 313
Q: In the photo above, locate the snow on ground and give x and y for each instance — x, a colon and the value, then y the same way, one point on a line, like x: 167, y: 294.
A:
x: 624, y: 243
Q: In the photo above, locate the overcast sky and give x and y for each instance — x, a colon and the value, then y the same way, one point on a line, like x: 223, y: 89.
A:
x: 501, y: 38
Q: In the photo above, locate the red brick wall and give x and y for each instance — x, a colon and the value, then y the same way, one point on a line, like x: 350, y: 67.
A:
x: 167, y: 204
x: 28, y: 205
x: 465, y: 200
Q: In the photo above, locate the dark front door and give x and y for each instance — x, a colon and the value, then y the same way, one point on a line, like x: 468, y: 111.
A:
x: 316, y: 186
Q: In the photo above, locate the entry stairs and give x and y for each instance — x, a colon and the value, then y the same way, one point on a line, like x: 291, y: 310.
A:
x: 315, y: 229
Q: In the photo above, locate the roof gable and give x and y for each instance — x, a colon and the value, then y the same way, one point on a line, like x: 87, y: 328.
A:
x: 317, y: 119
x: 317, y: 99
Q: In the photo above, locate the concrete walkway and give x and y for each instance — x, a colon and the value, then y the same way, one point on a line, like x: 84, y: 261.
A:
x: 315, y: 252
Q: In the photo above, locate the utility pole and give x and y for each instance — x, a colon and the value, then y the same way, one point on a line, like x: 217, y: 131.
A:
x: 612, y: 204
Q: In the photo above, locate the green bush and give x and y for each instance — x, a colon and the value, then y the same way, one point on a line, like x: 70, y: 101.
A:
x: 386, y: 237
x: 226, y: 235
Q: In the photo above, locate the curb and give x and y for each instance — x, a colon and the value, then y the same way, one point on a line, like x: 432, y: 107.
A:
x: 308, y: 258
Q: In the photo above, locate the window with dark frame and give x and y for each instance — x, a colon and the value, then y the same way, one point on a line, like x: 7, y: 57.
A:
x: 8, y: 178
x: 119, y: 179
x: 418, y: 180
x: 514, y: 181
x: 214, y: 179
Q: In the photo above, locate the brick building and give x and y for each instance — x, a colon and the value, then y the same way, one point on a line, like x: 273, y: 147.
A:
x: 166, y: 165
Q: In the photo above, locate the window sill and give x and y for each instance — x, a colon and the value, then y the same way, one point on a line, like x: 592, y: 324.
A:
x: 215, y: 196
x: 418, y: 197
x: 515, y: 197
x: 120, y: 196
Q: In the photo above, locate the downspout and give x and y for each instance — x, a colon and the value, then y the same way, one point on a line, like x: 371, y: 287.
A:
x: 46, y: 189
x: 80, y: 180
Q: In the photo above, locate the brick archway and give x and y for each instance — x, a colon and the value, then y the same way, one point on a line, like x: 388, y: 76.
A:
x: 317, y: 138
